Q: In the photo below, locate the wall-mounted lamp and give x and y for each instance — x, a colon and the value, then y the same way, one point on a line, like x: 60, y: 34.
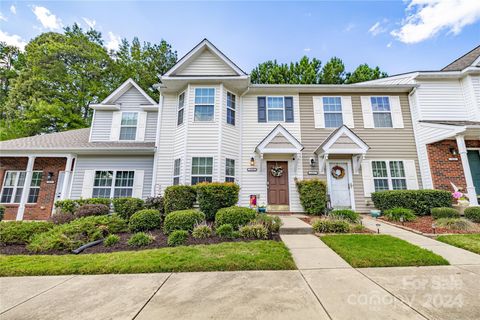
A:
x: 252, y: 162
x: 453, y: 151
x: 312, y: 162
x: 50, y: 176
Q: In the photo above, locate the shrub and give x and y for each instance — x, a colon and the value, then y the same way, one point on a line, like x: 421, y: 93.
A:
x: 456, y: 224
x: 155, y: 203
x: 438, y: 213
x: 144, y: 220
x: 213, y: 196
x: 254, y: 231
x: 104, y: 201
x: 236, y: 216
x: 177, y: 238
x: 87, y: 210
x: 420, y: 201
x: 21, y: 232
x: 140, y: 239
x: 330, y: 226
x: 396, y: 213
x: 77, y: 233
x: 349, y: 215
x: 357, y: 228
x: 473, y: 214
x: 110, y: 240
x: 2, y: 212
x: 272, y: 223
x: 182, y: 220
x: 126, y: 207
x: 178, y: 198
x: 224, y: 231
x: 61, y: 217
x: 202, y: 232
x: 313, y: 195
x: 66, y: 205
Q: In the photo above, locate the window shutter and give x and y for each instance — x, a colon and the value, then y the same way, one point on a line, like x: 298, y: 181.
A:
x: 367, y: 176
x: 88, y: 179
x: 367, y: 112
x: 318, y: 112
x: 289, y: 109
x: 116, y: 121
x: 347, y: 112
x: 141, y: 126
x: 262, y: 109
x: 397, y: 116
x: 411, y: 174
x: 138, y: 184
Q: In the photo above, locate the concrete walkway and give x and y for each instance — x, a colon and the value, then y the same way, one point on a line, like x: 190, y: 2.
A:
x: 454, y: 255
x: 293, y: 225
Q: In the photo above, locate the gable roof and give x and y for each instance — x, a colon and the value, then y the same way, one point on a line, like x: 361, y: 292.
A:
x: 464, y: 61
x: 205, y: 44
x: 289, y: 145
x: 124, y: 87
x: 326, y: 146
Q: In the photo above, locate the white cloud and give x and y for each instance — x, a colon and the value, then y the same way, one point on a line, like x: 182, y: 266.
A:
x: 90, y: 22
x: 46, y: 18
x: 426, y: 18
x: 13, y: 9
x: 113, y: 41
x: 307, y: 49
x: 13, y: 40
x: 2, y: 17
x: 378, y: 28
x: 349, y: 27
x: 389, y: 45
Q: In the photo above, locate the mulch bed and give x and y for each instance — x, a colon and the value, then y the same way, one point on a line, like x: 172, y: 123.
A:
x: 309, y: 220
x: 424, y: 225
x: 159, y: 242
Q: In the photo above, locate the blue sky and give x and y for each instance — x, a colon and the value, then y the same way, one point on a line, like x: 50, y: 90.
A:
x: 399, y: 36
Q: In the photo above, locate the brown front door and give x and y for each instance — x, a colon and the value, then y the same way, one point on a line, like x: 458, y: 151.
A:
x: 277, y: 186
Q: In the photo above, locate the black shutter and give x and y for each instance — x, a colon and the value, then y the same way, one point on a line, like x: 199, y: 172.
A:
x: 288, y: 109
x: 262, y: 109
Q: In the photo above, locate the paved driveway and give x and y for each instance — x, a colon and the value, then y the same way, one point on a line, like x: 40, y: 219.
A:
x: 447, y: 292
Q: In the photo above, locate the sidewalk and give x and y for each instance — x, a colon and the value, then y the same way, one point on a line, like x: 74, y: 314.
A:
x: 454, y: 255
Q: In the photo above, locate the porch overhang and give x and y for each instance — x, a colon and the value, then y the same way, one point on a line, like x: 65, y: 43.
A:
x: 451, y: 129
x: 279, y: 141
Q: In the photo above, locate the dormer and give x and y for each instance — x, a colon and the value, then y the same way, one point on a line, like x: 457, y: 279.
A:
x: 128, y: 114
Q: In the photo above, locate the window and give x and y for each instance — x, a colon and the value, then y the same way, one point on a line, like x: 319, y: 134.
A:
x: 230, y: 170
x: 14, y: 183
x: 382, y: 116
x: 103, y: 186
x: 275, y: 108
x: 176, y: 172
x: 181, y: 106
x: 204, y: 104
x: 389, y: 178
x: 202, y: 169
x: 231, y: 108
x: 332, y: 110
x: 128, y: 126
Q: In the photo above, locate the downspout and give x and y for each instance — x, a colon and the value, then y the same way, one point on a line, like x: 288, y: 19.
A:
x: 241, y: 139
x: 157, y: 143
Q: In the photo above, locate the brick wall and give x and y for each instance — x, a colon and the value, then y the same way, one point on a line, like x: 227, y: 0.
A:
x: 43, y: 208
x: 444, y: 170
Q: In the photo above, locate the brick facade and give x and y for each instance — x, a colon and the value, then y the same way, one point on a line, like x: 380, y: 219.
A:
x: 43, y: 208
x: 444, y: 170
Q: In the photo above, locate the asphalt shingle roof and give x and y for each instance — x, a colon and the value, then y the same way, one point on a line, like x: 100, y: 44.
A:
x: 453, y: 122
x: 464, y: 61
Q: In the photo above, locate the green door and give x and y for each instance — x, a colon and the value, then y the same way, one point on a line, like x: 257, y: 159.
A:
x: 474, y: 161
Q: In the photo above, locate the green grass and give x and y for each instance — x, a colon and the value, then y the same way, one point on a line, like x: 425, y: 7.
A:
x: 229, y: 256
x: 363, y: 251
x: 470, y: 242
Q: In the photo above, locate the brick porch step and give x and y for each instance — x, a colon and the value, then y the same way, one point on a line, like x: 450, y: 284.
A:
x: 293, y: 225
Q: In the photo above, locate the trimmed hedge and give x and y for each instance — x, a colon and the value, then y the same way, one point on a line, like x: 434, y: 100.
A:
x: 145, y: 220
x: 87, y: 210
x: 71, y: 206
x: 178, y: 198
x: 126, y: 207
x: 177, y: 238
x: 155, y: 203
x: 313, y: 195
x: 235, y: 216
x: 216, y: 195
x: 21, y: 232
x: 472, y: 214
x: 438, y: 213
x: 345, y: 214
x: 62, y: 217
x: 420, y: 201
x: 330, y: 226
x: 182, y: 220
x: 396, y: 213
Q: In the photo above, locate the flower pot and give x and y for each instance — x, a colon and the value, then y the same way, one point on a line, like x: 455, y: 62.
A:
x: 375, y: 213
x: 262, y: 210
x: 460, y: 207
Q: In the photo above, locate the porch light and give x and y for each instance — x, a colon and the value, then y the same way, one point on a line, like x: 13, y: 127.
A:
x: 453, y: 151
x: 50, y: 176
x: 378, y: 228
x: 434, y: 226
x: 252, y: 162
x: 312, y: 162
x: 402, y: 220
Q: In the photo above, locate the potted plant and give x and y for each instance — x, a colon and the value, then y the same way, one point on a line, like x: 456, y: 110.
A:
x: 262, y: 208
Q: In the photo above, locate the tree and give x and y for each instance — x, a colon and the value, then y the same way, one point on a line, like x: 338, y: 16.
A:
x: 365, y: 73
x: 333, y: 72
x: 12, y: 61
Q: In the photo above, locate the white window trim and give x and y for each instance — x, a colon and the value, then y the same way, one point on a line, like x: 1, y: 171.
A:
x: 201, y: 175
x: 16, y: 186
x: 112, y: 187
x: 234, y: 169
x: 332, y: 112
x: 201, y: 104
x: 230, y: 108
x: 128, y: 126
x: 389, y: 174
x: 182, y: 108
x: 283, y: 108
x: 385, y: 112
x: 179, y: 170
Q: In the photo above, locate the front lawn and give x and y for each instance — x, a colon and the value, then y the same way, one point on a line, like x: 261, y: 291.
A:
x: 363, y: 251
x: 470, y: 242
x: 254, y: 255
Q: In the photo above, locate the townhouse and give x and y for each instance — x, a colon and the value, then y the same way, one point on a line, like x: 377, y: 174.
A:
x: 212, y: 124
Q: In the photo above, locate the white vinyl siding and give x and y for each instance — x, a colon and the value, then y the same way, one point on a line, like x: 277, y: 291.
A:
x: 206, y: 64
x: 101, y: 125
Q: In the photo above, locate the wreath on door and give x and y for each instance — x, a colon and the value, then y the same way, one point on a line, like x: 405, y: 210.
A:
x: 277, y: 171
x: 338, y: 172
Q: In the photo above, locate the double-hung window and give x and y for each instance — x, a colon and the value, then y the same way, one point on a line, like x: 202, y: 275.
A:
x: 181, y: 108
x: 204, y: 104
x: 13, y: 185
x: 128, y: 126
x: 176, y: 172
x: 276, y: 108
x: 113, y: 184
x: 231, y: 108
x: 389, y: 175
x: 382, y: 115
x: 229, y: 170
x: 202, y: 169
x: 332, y: 110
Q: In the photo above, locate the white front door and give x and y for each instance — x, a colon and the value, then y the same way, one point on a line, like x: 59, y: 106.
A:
x: 339, y: 184
x: 58, y: 190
